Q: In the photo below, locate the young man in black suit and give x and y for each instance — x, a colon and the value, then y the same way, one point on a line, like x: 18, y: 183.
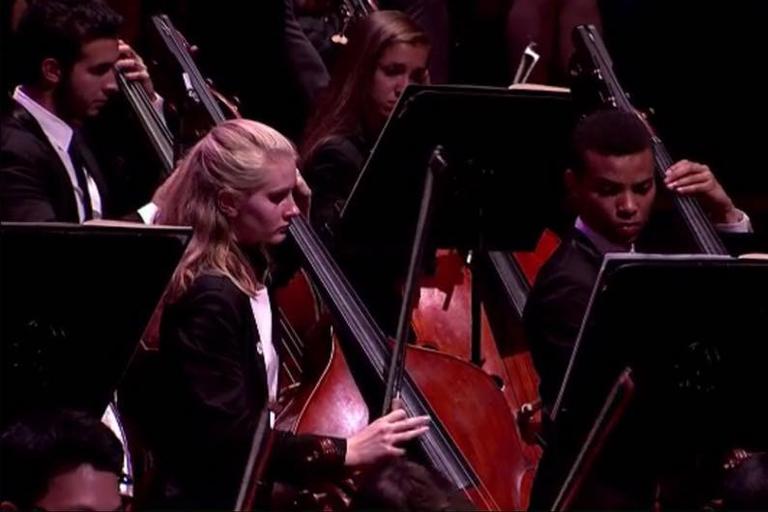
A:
x: 612, y: 185
x: 66, y: 53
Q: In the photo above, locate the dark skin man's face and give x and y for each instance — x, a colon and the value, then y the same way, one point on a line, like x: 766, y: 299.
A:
x: 615, y: 194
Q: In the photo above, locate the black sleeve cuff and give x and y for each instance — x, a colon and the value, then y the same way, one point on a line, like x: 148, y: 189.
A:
x: 295, y: 458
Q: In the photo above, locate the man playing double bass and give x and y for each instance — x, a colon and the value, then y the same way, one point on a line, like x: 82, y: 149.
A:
x: 67, y: 53
x: 611, y: 182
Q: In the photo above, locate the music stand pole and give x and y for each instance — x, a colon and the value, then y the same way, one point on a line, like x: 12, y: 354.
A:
x: 435, y: 167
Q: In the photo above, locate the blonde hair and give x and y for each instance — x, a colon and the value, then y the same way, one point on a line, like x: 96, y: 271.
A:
x: 233, y: 159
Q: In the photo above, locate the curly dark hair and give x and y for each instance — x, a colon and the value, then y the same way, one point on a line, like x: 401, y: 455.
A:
x: 37, y: 447
x: 610, y: 133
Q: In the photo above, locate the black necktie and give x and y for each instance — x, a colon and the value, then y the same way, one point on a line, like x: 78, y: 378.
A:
x: 78, y: 162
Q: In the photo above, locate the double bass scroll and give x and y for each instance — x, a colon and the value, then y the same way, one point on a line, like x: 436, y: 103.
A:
x: 596, y: 80
x: 197, y: 102
x: 347, y: 11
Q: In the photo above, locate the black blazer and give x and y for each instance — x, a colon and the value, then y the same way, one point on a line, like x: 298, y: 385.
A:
x: 374, y: 271
x: 556, y: 306
x: 34, y: 184
x: 552, y: 318
x: 331, y: 171
x: 215, y: 387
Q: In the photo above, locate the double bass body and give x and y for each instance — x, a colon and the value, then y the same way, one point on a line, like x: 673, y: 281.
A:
x: 473, y: 441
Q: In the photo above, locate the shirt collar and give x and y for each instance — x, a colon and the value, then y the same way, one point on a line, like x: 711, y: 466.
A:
x: 57, y: 131
x: 602, y: 244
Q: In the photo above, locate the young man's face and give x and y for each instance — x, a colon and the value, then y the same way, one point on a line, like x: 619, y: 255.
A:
x: 91, y: 81
x: 82, y: 488
x: 615, y: 194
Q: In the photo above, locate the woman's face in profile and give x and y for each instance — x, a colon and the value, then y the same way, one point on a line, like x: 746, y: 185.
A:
x: 264, y: 216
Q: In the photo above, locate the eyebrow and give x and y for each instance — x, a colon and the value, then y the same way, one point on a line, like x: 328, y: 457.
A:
x: 608, y: 181
x: 105, y: 65
x: 280, y: 190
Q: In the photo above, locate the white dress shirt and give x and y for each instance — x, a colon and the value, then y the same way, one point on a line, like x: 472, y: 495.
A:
x: 262, y: 314
x: 111, y: 419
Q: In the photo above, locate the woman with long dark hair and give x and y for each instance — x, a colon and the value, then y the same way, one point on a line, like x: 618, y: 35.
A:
x: 386, y: 52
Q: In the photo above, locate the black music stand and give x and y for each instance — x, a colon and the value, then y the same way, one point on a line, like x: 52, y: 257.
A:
x: 692, y: 331
x: 74, y: 302
x: 501, y: 154
x: 505, y: 151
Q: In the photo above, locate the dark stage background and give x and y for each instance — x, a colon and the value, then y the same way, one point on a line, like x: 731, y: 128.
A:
x: 697, y: 64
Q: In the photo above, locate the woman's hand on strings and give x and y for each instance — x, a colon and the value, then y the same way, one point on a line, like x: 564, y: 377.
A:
x: 384, y: 437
